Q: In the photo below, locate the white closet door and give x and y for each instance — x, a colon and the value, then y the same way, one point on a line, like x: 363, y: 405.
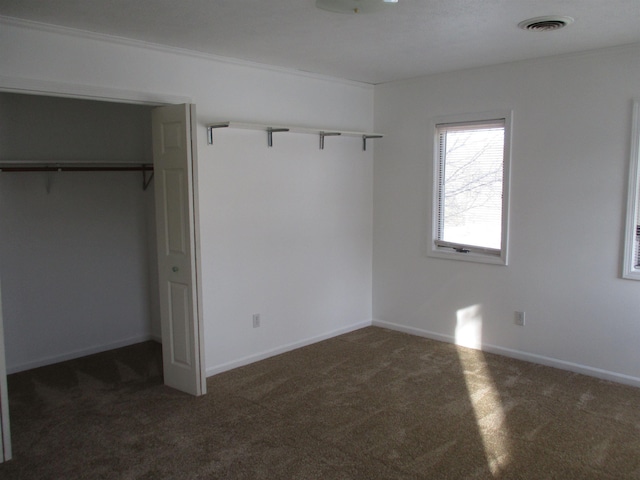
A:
x: 173, y: 145
x: 5, y: 434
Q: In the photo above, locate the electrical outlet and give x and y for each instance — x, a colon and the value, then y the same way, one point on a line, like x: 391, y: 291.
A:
x: 256, y: 320
x: 519, y: 319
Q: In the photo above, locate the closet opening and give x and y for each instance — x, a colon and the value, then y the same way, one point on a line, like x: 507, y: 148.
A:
x: 78, y: 259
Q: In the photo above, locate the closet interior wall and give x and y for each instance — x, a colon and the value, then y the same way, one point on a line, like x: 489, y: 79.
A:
x: 77, y: 249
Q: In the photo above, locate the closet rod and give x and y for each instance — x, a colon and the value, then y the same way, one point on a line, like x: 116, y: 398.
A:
x: 60, y: 167
x: 69, y: 168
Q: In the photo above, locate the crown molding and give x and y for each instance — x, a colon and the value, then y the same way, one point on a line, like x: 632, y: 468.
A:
x: 128, y: 42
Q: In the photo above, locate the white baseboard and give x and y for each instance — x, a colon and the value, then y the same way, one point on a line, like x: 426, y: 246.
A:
x: 41, y: 362
x: 284, y: 348
x: 517, y: 354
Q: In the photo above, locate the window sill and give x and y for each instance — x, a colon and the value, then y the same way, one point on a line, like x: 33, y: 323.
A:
x: 449, y: 254
x: 632, y: 274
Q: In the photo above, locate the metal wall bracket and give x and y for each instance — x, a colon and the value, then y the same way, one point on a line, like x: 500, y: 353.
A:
x: 210, y: 130
x: 146, y: 181
x: 365, y: 138
x: 271, y: 131
x: 327, y: 134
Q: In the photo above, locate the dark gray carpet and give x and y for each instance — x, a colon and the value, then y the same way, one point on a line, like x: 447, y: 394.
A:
x: 372, y: 404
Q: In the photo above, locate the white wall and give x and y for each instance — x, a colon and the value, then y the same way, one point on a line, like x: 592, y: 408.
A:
x: 51, y: 129
x: 74, y: 265
x: 291, y: 238
x: 571, y: 136
x: 77, y: 250
x: 285, y: 232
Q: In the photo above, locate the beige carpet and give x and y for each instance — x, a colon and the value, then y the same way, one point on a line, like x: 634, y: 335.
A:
x: 372, y: 404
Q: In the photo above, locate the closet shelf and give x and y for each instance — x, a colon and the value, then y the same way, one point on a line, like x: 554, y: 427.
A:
x: 271, y: 129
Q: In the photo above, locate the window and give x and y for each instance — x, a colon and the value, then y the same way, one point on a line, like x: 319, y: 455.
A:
x: 631, y: 267
x: 471, y: 188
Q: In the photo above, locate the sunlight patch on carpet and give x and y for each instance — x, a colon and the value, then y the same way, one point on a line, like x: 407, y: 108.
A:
x: 483, y: 394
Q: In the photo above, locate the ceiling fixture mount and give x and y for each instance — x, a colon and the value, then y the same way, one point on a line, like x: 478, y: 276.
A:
x: 354, y: 6
x: 545, y: 24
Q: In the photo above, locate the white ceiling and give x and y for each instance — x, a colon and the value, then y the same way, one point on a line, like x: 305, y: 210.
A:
x: 409, y: 39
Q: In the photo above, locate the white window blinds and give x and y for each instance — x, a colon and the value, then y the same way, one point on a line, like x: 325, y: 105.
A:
x: 470, y: 186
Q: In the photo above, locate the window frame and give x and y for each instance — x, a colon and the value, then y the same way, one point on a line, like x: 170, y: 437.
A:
x: 469, y: 253
x: 630, y: 270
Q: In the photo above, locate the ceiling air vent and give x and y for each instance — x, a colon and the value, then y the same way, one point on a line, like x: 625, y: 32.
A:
x: 545, y: 24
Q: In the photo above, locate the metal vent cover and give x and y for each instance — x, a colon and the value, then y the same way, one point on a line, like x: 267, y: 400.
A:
x: 545, y: 24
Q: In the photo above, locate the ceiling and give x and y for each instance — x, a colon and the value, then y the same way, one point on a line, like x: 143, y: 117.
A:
x: 405, y: 40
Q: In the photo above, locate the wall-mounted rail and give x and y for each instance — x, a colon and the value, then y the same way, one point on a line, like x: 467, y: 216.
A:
x: 271, y: 129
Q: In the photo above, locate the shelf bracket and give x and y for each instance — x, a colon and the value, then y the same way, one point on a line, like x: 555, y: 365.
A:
x: 327, y: 134
x: 271, y: 131
x: 210, y: 130
x: 365, y: 138
x: 146, y: 181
